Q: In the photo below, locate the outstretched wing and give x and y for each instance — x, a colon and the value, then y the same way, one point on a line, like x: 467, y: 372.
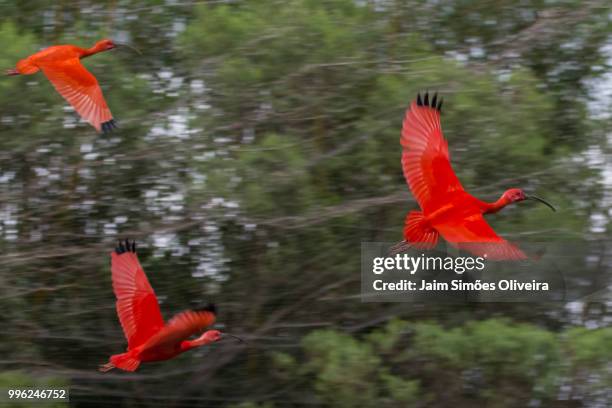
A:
x: 80, y: 88
x: 137, y: 305
x: 425, y: 158
x: 182, y: 326
x: 476, y: 236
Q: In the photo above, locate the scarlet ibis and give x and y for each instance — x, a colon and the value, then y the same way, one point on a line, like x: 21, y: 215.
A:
x: 61, y: 64
x: 446, y: 208
x: 149, y: 339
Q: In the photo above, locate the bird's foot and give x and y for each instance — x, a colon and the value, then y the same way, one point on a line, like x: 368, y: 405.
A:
x: 398, y: 248
x: 106, y: 367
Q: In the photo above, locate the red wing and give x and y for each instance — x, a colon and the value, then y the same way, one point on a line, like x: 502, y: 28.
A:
x: 80, y: 88
x: 425, y: 159
x: 181, y: 327
x: 475, y: 235
x: 137, y: 305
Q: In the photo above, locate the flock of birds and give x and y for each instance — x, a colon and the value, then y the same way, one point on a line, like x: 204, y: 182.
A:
x: 446, y: 210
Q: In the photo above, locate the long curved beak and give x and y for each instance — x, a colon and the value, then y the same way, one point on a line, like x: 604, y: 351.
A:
x: 532, y: 197
x: 128, y: 46
x: 231, y: 335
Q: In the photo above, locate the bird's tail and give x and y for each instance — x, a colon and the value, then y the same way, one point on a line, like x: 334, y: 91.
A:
x: 125, y: 361
x: 418, y: 233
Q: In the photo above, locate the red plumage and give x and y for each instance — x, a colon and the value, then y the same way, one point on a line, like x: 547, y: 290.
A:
x: 447, y: 209
x: 149, y: 339
x: 62, y: 66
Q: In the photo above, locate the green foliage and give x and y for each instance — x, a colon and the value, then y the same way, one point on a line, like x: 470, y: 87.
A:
x: 401, y: 391
x: 589, y: 360
x: 331, y: 357
x: 385, y: 341
x: 337, y: 100
x: 489, y: 360
x: 348, y: 372
x: 274, y: 168
x: 500, y: 350
x: 590, y: 348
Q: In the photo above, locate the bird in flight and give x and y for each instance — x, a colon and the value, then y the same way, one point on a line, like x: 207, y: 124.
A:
x: 148, y: 337
x: 446, y: 208
x: 61, y: 64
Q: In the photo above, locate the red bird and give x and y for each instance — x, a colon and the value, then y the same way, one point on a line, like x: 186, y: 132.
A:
x: 61, y: 64
x: 447, y: 209
x: 148, y: 337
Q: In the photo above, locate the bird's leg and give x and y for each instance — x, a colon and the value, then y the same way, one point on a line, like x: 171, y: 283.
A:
x: 106, y: 367
x: 398, y: 248
x: 11, y: 71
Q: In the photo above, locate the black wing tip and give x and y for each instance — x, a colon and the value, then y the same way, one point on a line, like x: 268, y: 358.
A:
x: 125, y: 246
x: 107, y: 127
x: 433, y: 103
x: 211, y: 307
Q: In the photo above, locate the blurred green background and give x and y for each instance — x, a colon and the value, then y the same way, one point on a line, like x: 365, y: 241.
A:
x: 258, y: 147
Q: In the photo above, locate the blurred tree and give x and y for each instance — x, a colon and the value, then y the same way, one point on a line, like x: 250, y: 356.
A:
x: 491, y: 362
x: 258, y: 147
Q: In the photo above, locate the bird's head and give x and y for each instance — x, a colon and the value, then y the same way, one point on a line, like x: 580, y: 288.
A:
x: 514, y: 195
x: 106, y: 44
x: 213, y: 336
